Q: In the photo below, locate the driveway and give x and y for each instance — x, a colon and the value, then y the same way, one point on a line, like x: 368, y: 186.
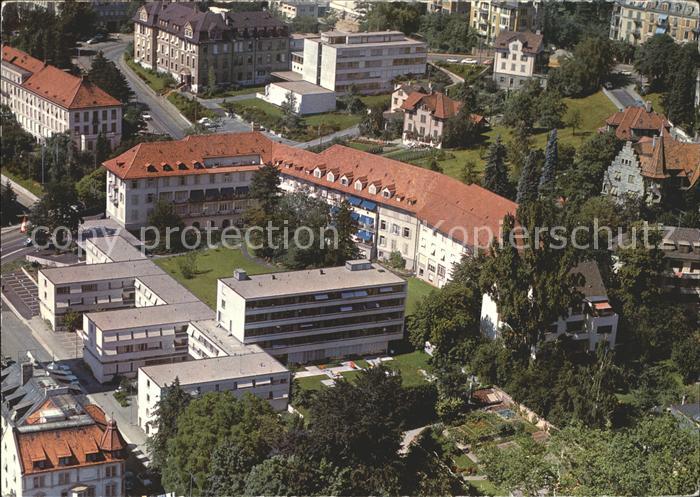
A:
x: 22, y: 293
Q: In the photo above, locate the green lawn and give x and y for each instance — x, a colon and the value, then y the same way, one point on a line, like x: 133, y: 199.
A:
x: 417, y: 289
x: 408, y: 365
x: 655, y: 99
x: 374, y: 100
x: 325, y: 123
x: 157, y: 82
x: 311, y: 382
x: 212, y: 264
x: 467, y: 71
x: 487, y: 488
x: 595, y: 109
x: 31, y: 185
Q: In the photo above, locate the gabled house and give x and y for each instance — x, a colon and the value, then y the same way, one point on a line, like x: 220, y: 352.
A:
x: 519, y: 57
x: 54, y: 442
x: 425, y: 117
x: 653, y: 168
x: 633, y: 123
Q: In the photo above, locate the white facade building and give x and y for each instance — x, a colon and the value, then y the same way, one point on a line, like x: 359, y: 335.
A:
x: 255, y: 373
x: 301, y: 316
x: 308, y: 98
x: 518, y: 58
x: 366, y: 61
x: 47, y: 101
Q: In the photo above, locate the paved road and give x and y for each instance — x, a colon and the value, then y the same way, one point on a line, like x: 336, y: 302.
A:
x: 626, y: 97
x: 16, y: 338
x: 166, y: 118
x: 12, y: 245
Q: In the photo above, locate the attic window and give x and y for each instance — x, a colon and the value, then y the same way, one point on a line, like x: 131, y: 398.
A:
x: 188, y: 31
x: 197, y: 164
x: 317, y: 173
x: 386, y: 193
x: 151, y: 168
x: 344, y: 181
x: 372, y: 189
x: 330, y: 177
x: 143, y: 15
x: 166, y: 167
x: 181, y: 166
x: 358, y: 185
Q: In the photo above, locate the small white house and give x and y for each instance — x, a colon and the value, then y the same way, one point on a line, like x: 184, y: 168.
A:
x: 309, y: 98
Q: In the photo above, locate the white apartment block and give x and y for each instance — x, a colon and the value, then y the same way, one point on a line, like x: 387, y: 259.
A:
x: 518, y: 58
x: 100, y: 250
x: 302, y: 316
x: 47, y: 101
x: 635, y: 21
x: 89, y: 288
x: 255, y: 373
x: 592, y: 322
x: 490, y: 17
x: 120, y: 342
x: 367, y: 61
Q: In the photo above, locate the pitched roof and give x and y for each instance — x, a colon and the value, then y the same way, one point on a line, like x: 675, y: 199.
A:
x: 440, y: 105
x: 57, y: 86
x: 444, y: 203
x: 532, y: 42
x: 635, y: 118
x: 206, y: 25
x: 665, y: 157
x: 74, y: 442
x: 441, y: 201
x: 187, y: 156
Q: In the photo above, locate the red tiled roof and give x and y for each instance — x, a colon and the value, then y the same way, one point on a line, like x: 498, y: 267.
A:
x: 443, y: 202
x: 440, y: 105
x: 21, y: 59
x: 664, y: 157
x: 57, y: 86
x: 76, y: 442
x: 635, y: 118
x: 439, y: 200
x: 532, y: 42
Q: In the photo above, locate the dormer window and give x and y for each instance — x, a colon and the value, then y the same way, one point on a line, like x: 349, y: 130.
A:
x: 143, y: 15
x: 386, y: 193
x: 358, y: 185
x: 344, y: 181
x: 151, y: 168
x: 330, y: 177
x: 188, y: 31
x: 317, y: 173
x: 65, y: 461
x: 372, y: 189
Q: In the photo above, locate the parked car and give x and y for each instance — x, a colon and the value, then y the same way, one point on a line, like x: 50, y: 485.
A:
x: 56, y: 367
x: 488, y: 62
x: 146, y: 116
x: 468, y: 61
x: 453, y: 61
x: 608, y: 85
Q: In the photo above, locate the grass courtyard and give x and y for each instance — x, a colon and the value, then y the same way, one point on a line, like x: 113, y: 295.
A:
x: 212, y: 264
x: 594, y: 109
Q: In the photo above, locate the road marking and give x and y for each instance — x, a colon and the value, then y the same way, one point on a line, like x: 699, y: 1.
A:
x: 13, y: 252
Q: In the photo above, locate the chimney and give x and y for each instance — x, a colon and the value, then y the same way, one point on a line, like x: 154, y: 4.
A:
x: 240, y: 274
x: 27, y: 371
x: 647, y: 106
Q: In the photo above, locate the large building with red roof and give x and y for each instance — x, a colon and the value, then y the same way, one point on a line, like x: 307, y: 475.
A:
x: 633, y: 123
x: 430, y: 219
x: 54, y: 443
x: 47, y: 100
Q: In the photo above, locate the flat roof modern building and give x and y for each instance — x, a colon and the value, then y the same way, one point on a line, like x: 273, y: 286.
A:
x: 255, y: 373
x: 369, y: 62
x: 302, y: 316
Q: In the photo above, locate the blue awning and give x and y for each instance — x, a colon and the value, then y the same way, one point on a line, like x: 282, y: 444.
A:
x: 354, y: 201
x: 370, y: 206
x: 355, y: 216
x: 365, y: 235
x: 366, y: 220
